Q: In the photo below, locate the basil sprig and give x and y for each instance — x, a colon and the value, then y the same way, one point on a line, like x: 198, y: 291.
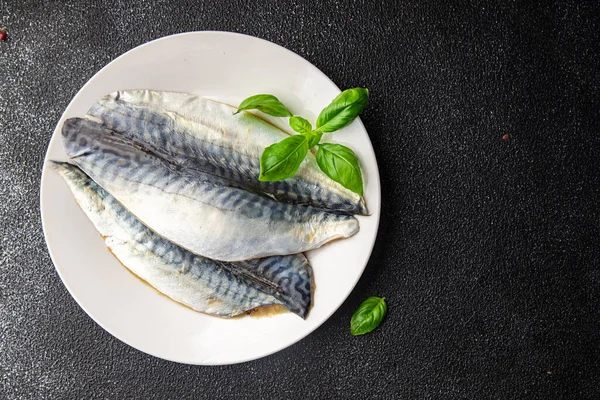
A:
x: 282, y: 160
x: 368, y: 315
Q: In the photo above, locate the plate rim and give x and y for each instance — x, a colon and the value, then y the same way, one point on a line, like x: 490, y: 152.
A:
x: 276, y: 349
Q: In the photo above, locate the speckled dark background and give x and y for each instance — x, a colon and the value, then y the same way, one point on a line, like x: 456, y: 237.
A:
x: 488, y: 250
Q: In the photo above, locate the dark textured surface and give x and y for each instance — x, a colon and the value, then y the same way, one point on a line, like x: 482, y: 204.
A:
x: 488, y: 251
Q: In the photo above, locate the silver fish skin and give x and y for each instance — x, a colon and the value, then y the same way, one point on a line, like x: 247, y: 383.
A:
x: 203, y: 134
x: 212, y: 287
x: 198, y: 212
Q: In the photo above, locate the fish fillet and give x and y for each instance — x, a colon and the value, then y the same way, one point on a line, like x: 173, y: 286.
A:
x: 202, y: 134
x: 199, y: 212
x: 213, y: 287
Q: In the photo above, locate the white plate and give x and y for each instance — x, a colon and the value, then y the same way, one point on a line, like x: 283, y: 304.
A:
x: 227, y: 67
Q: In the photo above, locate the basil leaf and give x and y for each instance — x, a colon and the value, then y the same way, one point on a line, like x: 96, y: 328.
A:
x: 314, y: 138
x: 340, y: 164
x: 343, y: 109
x: 300, y: 125
x: 281, y: 160
x: 368, y: 315
x: 266, y: 103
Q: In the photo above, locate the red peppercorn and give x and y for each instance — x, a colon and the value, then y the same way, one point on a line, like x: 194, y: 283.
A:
x: 3, y: 34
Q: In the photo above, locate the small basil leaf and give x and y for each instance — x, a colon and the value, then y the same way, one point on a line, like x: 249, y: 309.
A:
x: 340, y: 164
x: 300, y: 125
x: 281, y: 160
x: 343, y: 109
x: 368, y: 315
x: 266, y: 103
x: 314, y: 138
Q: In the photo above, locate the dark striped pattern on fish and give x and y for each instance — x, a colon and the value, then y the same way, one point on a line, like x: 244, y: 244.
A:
x: 158, y: 134
x: 203, y: 135
x: 214, y: 287
x: 198, y: 211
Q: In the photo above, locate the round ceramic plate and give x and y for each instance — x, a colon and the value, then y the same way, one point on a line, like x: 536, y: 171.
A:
x: 227, y: 67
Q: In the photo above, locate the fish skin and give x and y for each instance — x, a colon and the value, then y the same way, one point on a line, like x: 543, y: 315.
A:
x: 213, y: 287
x: 203, y: 134
x: 198, y: 212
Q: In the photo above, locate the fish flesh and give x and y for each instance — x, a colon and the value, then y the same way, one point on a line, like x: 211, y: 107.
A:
x: 202, y: 134
x: 198, y: 211
x: 213, y: 287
